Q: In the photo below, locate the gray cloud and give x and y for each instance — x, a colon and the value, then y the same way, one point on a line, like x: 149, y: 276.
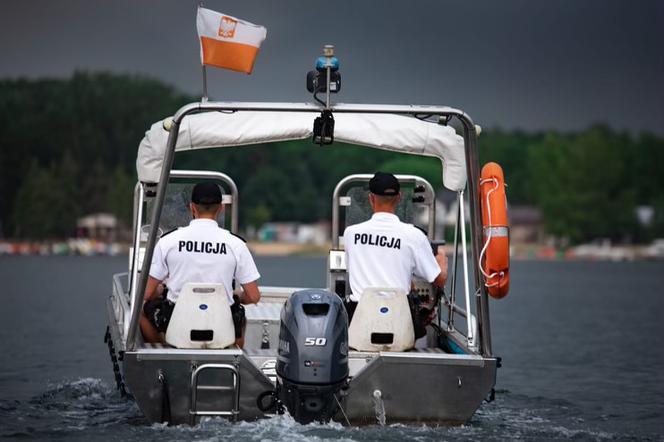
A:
x: 514, y: 64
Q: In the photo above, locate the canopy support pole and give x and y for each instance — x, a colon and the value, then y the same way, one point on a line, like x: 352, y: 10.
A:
x: 473, y: 173
x: 132, y: 334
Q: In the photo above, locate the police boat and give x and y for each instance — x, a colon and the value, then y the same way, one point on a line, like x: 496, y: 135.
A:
x: 419, y: 357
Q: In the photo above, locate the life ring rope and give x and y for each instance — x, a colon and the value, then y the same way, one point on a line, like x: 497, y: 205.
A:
x: 488, y: 238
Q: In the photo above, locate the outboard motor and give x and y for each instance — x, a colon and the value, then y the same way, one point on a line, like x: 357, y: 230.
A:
x: 313, y: 354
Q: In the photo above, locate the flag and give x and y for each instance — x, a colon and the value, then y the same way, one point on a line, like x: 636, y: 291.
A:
x: 228, y: 42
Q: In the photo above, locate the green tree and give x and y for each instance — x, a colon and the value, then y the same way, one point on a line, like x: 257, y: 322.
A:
x: 66, y: 195
x: 511, y: 150
x: 35, y: 202
x: 258, y: 215
x: 89, y: 118
x: 428, y: 168
x: 578, y: 182
x: 120, y: 195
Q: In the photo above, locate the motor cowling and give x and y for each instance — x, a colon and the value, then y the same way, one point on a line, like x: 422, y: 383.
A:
x: 313, y: 354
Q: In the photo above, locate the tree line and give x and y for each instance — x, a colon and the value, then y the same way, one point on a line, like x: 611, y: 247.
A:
x: 68, y: 148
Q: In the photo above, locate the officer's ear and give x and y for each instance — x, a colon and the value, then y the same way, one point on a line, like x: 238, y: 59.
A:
x: 194, y: 212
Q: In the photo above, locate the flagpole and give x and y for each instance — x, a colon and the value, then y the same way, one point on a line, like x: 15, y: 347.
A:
x: 204, y: 98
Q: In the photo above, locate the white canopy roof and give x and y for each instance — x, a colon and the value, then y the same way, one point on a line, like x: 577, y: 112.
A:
x: 383, y: 131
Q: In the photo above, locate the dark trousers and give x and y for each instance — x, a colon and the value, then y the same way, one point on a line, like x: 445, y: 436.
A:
x: 350, y: 309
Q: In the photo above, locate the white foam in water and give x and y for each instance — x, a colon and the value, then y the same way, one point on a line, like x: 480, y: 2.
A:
x: 276, y: 428
x: 583, y: 434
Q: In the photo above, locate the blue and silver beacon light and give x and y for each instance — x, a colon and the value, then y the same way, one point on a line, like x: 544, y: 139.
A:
x: 325, y: 78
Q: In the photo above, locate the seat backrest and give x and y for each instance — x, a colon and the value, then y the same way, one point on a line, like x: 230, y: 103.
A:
x: 382, y: 321
x: 201, y: 318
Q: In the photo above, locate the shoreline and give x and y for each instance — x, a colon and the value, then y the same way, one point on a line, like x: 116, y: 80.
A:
x: 519, y: 252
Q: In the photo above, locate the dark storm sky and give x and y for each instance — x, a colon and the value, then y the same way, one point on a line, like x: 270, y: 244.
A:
x: 513, y: 64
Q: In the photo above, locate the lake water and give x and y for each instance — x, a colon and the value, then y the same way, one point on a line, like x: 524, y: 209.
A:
x: 580, y: 342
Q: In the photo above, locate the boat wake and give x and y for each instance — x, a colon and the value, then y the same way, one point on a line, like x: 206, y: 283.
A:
x: 83, y: 404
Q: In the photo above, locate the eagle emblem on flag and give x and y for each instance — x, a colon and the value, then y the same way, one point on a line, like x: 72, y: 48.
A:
x: 228, y: 42
x: 227, y: 27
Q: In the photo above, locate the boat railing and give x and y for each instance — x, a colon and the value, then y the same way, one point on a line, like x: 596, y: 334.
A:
x: 143, y: 193
x: 121, y: 302
x: 341, y: 199
x: 449, y: 304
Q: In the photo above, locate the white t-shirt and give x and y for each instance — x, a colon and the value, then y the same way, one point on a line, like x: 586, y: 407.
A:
x: 384, y: 252
x: 202, y: 252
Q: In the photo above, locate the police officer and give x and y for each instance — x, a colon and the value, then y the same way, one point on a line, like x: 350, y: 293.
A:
x: 200, y: 252
x: 385, y: 252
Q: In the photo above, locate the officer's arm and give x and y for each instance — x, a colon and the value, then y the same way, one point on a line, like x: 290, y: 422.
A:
x: 441, y: 259
x: 158, y: 268
x: 250, y: 293
x: 151, y: 288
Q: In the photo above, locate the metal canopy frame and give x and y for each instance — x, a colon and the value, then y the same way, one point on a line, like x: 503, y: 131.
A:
x: 135, y: 295
x: 472, y: 171
x: 363, y: 177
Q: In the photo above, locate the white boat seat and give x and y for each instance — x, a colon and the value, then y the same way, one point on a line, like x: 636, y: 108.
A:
x: 382, y: 321
x: 201, y: 318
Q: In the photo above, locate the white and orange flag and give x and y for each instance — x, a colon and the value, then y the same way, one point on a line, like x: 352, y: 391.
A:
x: 228, y: 42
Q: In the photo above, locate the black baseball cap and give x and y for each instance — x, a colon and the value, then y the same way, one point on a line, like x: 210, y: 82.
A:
x: 206, y: 193
x: 384, y: 184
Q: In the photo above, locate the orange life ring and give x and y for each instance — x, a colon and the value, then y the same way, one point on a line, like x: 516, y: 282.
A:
x: 495, y: 255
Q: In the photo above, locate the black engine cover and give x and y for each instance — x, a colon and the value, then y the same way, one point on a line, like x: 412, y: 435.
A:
x: 313, y: 354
